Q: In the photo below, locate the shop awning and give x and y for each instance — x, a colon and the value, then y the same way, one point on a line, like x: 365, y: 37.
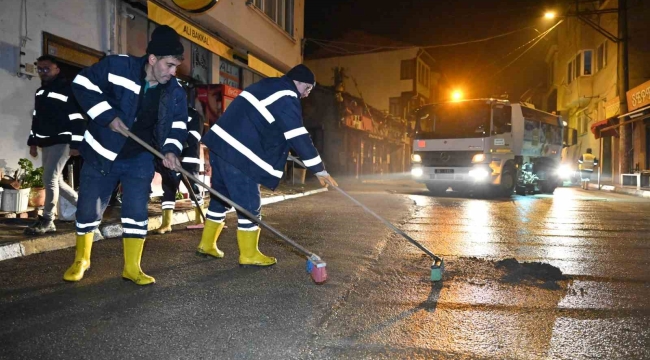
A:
x: 603, y: 128
x: 637, y: 113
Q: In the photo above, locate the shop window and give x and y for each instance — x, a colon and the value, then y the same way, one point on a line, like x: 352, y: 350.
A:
x: 200, y: 64
x: 279, y: 11
x: 229, y: 74
x: 249, y: 78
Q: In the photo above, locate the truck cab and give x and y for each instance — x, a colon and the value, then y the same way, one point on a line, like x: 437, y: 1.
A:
x: 486, y: 145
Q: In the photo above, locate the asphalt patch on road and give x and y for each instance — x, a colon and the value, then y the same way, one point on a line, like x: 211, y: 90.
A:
x: 481, y: 272
x: 533, y: 273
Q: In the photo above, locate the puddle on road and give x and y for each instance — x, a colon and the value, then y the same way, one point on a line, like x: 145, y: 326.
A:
x: 480, y: 271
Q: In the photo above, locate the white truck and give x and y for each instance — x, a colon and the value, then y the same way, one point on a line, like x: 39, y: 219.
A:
x: 487, y: 146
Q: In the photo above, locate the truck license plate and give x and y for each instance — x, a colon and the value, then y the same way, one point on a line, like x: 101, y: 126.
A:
x: 444, y: 171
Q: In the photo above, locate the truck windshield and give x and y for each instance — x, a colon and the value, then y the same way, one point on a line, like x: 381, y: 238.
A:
x: 466, y: 119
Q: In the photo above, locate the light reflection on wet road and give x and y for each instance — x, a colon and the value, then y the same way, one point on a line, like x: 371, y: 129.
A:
x: 600, y: 240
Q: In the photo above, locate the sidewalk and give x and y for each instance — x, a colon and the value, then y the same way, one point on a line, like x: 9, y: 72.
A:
x: 13, y: 243
x: 628, y: 190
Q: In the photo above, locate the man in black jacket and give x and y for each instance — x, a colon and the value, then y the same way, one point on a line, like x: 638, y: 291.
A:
x: 57, y: 128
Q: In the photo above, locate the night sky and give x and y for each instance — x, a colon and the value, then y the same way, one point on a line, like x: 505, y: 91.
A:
x: 471, y: 67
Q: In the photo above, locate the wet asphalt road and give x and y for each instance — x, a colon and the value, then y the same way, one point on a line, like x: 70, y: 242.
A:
x: 378, y: 302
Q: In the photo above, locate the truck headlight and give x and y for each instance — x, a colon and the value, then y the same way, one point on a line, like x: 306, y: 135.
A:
x: 416, y: 158
x: 478, y: 158
x: 417, y: 172
x: 479, y: 173
x: 564, y: 172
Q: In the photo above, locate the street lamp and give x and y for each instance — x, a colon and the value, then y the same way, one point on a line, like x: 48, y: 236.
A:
x: 549, y: 15
x: 457, y: 95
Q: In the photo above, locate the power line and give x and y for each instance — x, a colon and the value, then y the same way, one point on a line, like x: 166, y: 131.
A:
x: 324, y: 43
x: 532, y: 46
x: 510, y: 53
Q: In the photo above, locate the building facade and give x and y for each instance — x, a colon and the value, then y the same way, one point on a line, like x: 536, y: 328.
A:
x: 585, y: 71
x: 354, y: 139
x: 233, y: 44
x: 395, y: 81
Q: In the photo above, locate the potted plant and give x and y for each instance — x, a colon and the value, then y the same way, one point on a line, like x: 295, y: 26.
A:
x: 32, y: 179
x: 15, y: 198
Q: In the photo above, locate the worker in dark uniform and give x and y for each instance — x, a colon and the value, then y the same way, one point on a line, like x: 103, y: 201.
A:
x: 249, y: 146
x: 139, y: 94
x: 191, y: 162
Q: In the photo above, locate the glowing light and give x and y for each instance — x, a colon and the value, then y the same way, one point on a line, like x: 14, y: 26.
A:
x: 549, y: 15
x: 417, y: 172
x: 478, y: 158
x: 479, y: 174
x: 457, y: 95
x: 416, y: 158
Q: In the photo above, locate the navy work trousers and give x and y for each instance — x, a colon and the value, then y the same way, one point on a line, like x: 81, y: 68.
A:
x: 236, y: 186
x: 95, y: 189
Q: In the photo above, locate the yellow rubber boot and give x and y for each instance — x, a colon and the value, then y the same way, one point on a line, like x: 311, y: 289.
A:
x: 208, y: 244
x: 132, y: 255
x: 81, y: 258
x: 166, y: 225
x: 249, y: 253
x: 198, y: 219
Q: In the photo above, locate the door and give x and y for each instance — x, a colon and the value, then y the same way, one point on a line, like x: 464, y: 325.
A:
x: 607, y: 157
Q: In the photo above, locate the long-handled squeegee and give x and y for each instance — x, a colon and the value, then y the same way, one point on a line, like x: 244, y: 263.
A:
x: 192, y: 195
x: 437, y: 267
x: 316, y: 267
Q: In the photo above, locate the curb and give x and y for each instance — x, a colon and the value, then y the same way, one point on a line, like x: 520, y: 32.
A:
x: 621, y: 190
x: 65, y: 240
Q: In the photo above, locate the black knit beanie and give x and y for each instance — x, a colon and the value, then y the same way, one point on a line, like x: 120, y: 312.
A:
x: 164, y: 42
x: 301, y: 73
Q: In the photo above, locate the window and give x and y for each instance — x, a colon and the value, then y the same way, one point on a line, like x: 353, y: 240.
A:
x: 394, y: 107
x: 279, y: 11
x: 423, y: 74
x: 587, y: 62
x: 407, y: 70
x: 601, y: 56
x: 583, y: 122
x: 583, y: 65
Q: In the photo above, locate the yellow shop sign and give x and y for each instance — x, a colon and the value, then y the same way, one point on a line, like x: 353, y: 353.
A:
x: 187, y: 30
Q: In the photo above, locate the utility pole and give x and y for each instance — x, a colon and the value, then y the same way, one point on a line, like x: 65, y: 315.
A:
x: 625, y: 142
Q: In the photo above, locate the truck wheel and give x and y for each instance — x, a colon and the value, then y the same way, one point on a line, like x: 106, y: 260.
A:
x: 508, y: 182
x: 520, y: 190
x: 547, y: 187
x: 436, y: 190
